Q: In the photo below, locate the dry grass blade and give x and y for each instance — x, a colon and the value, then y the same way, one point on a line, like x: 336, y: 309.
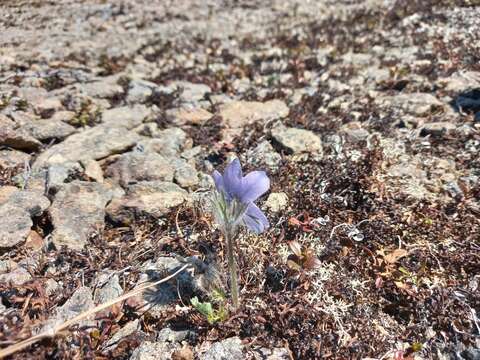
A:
x: 52, y: 333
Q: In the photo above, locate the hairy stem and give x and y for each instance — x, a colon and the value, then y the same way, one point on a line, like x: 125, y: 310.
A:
x: 232, y: 265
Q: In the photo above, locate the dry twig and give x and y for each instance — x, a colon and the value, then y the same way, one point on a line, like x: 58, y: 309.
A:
x: 50, y: 334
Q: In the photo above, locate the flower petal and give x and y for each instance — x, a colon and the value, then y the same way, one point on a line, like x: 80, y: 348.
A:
x: 254, y: 185
x: 232, y: 178
x: 218, y: 178
x: 255, y: 220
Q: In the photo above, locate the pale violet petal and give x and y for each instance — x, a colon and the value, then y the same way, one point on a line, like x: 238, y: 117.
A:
x: 218, y: 178
x: 254, y: 185
x: 232, y: 178
x: 255, y: 220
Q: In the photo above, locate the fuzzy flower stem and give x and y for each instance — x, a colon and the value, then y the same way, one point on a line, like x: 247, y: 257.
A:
x: 233, y: 205
x: 232, y: 265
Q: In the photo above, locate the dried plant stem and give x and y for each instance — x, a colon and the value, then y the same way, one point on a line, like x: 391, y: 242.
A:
x: 232, y: 266
x: 58, y: 329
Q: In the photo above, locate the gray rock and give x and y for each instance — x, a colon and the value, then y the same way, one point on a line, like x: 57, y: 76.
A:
x: 188, y: 116
x: 106, y: 89
x: 33, y: 180
x: 298, y: 94
x: 79, y: 302
x: 14, y: 136
x: 190, y: 154
x: 140, y: 166
x: 95, y: 143
x: 339, y: 87
x: 237, y: 114
x: 403, y: 170
x: 375, y: 75
x: 471, y: 354
x: 264, y: 155
x: 354, y: 132
x: 206, y: 181
x: 7, y: 265
x: 244, y: 84
x: 270, y: 354
x: 58, y: 174
x: 16, y: 211
x: 130, y: 328
x: 150, y: 350
x: 140, y: 68
x: 43, y: 180
x: 228, y: 349
x: 190, y: 93
x: 167, y: 142
x: 461, y: 81
x: 126, y: 116
x: 108, y: 288
x: 93, y: 170
x: 418, y: 104
x: 454, y: 190
x: 115, y: 189
x: 276, y: 202
x: 48, y: 129
x: 46, y: 107
x: 148, y: 129
x: 82, y: 104
x: 22, y: 118
x: 323, y: 55
x: 172, y: 336
x: 51, y: 287
x: 30, y: 261
x: 32, y: 94
x: 16, y: 277
x: 297, y: 140
x: 185, y: 174
x: 470, y: 181
x: 13, y: 158
x: 356, y: 135
x: 65, y: 116
x: 139, y: 91
x: 407, y: 54
x: 161, y: 265
x: 437, y: 129
x: 219, y: 99
x: 77, y: 210
x: 34, y: 242
x: 31, y: 81
x: 152, y: 197
x: 358, y: 59
x: 409, y: 178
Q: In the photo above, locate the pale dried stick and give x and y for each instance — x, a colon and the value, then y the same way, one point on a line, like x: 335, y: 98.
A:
x: 53, y: 332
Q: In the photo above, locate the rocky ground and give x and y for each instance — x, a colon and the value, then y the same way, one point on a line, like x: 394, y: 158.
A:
x: 365, y: 114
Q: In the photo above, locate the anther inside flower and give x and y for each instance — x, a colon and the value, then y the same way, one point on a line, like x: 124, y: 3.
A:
x: 234, y: 202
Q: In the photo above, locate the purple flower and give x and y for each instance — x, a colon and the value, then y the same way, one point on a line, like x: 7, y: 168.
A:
x: 244, y: 190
